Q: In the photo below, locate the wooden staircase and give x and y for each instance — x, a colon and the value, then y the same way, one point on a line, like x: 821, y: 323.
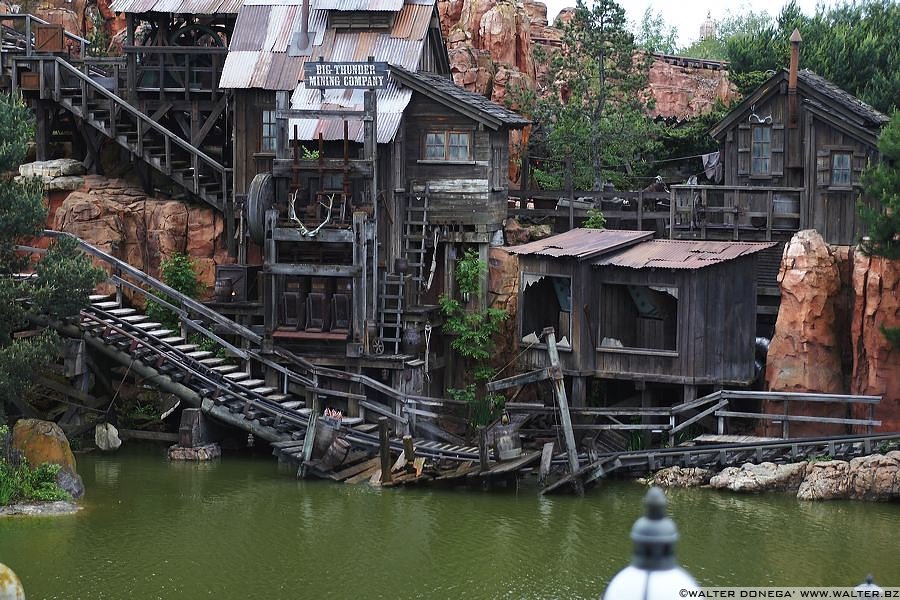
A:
x: 186, y: 166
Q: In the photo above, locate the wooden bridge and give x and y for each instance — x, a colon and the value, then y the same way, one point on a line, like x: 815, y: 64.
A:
x: 723, y: 455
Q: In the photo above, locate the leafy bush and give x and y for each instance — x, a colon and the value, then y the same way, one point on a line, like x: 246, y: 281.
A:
x: 595, y: 219
x: 180, y: 273
x: 66, y: 278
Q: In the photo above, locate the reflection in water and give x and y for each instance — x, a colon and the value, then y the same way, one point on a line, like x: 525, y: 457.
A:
x: 237, y: 528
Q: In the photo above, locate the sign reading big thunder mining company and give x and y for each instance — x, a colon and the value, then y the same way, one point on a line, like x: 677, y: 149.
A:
x: 345, y: 75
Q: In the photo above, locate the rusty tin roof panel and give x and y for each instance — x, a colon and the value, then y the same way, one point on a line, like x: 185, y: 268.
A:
x: 198, y: 7
x: 250, y: 28
x: 412, y: 22
x: 581, y: 243
x: 378, y: 5
x: 238, y: 69
x: 680, y: 254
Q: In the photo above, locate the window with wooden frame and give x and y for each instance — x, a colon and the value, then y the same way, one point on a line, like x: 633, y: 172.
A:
x: 448, y: 145
x: 761, y: 150
x: 267, y: 140
x: 841, y: 169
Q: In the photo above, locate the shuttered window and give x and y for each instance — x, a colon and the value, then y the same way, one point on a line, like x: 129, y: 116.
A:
x: 761, y: 150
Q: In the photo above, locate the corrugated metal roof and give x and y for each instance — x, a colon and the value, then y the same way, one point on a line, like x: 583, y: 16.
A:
x: 680, y: 254
x: 379, y: 5
x: 197, y: 7
x: 581, y: 243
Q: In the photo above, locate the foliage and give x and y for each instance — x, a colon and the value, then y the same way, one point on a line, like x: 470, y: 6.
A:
x: 469, y: 272
x: 66, y: 278
x: 653, y: 35
x: 893, y: 336
x: 307, y: 154
x: 99, y: 37
x: 691, y: 137
x: 20, y: 482
x: 595, y: 109
x: 179, y: 272
x: 879, y: 207
x: 595, y: 219
x: 852, y: 43
x: 473, y: 334
x: 20, y: 360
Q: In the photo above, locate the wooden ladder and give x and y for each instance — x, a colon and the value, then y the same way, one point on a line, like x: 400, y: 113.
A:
x: 415, y: 238
x: 390, y: 320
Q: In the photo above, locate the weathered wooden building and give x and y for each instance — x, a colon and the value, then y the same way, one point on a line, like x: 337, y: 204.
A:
x: 361, y: 199
x: 626, y: 307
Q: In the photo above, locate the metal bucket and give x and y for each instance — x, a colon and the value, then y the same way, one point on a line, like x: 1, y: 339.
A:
x: 507, y: 443
x: 326, y: 431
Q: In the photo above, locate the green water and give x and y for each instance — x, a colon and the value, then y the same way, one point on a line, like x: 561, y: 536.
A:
x: 238, y: 528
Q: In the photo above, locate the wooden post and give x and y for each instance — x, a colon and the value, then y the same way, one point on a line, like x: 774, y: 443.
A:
x: 570, y: 190
x: 385, y: 442
x: 409, y: 453
x: 559, y: 389
x: 483, y: 449
x: 308, y: 443
x: 358, y: 326
x: 546, y: 460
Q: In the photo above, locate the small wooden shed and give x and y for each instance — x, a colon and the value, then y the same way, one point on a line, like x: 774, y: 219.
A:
x: 630, y: 308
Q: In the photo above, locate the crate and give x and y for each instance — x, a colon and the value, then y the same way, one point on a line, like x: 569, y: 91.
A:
x: 29, y: 80
x: 48, y: 38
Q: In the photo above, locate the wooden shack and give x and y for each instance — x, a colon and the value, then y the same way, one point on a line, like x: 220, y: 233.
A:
x: 659, y: 314
x: 792, y: 154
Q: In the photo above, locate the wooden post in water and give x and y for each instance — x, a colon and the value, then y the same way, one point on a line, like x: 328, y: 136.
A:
x: 409, y: 454
x: 483, y: 449
x: 559, y: 389
x: 385, y: 439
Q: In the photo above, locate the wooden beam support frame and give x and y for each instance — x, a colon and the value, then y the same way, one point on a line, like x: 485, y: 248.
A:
x: 559, y: 389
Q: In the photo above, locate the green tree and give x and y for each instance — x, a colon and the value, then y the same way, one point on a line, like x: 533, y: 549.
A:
x: 64, y: 276
x: 473, y: 334
x: 654, y: 35
x: 595, y: 107
x: 880, y: 198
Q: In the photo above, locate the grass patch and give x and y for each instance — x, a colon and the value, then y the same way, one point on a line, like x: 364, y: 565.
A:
x: 20, y: 482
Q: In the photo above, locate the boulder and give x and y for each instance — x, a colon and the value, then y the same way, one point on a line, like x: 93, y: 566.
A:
x: 875, y: 477
x: 764, y: 477
x: 804, y: 355
x: 876, y: 363
x: 71, y: 483
x: 197, y: 453
x: 680, y: 477
x: 48, y: 169
x: 514, y: 233
x: 43, y: 442
x: 825, y: 480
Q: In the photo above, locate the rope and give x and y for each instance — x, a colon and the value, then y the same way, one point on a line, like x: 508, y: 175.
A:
x: 516, y: 357
x: 119, y: 388
x: 433, y: 262
x: 427, y: 350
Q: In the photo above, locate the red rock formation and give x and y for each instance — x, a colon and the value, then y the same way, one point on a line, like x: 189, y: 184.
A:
x: 142, y: 230
x: 685, y: 92
x: 876, y: 364
x: 804, y: 353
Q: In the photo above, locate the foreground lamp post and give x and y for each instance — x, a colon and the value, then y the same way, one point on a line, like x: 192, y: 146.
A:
x: 873, y: 591
x: 10, y: 586
x: 654, y: 573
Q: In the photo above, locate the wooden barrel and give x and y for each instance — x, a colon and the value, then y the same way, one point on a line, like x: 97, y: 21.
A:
x: 326, y: 431
x: 223, y: 289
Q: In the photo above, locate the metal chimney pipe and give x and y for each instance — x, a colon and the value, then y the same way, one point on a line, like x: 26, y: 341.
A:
x: 300, y: 43
x: 792, y: 78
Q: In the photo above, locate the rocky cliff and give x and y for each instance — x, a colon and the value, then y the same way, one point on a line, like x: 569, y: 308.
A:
x: 126, y: 222
x: 835, y: 303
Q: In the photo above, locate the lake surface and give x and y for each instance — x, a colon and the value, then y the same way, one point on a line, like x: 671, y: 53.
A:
x: 239, y: 528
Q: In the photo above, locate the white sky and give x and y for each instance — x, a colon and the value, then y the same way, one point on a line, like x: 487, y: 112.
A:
x: 688, y: 15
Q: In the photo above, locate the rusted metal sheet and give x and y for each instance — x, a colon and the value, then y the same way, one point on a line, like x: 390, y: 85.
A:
x: 197, y: 7
x: 582, y: 243
x: 379, y: 5
x: 250, y: 28
x: 680, y: 254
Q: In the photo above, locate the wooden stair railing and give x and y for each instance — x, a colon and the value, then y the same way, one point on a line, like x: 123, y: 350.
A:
x: 185, y: 165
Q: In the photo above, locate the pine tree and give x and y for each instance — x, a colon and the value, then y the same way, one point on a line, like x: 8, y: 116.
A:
x: 880, y: 198
x: 64, y: 277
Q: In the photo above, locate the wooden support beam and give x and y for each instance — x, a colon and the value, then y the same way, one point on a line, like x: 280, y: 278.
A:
x: 559, y: 389
x: 518, y: 380
x: 308, y: 442
x: 546, y: 461
x: 384, y: 440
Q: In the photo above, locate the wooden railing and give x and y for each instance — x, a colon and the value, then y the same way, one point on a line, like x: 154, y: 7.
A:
x: 734, y: 210
x: 65, y: 74
x: 28, y: 37
x: 175, y: 69
x: 641, y: 210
